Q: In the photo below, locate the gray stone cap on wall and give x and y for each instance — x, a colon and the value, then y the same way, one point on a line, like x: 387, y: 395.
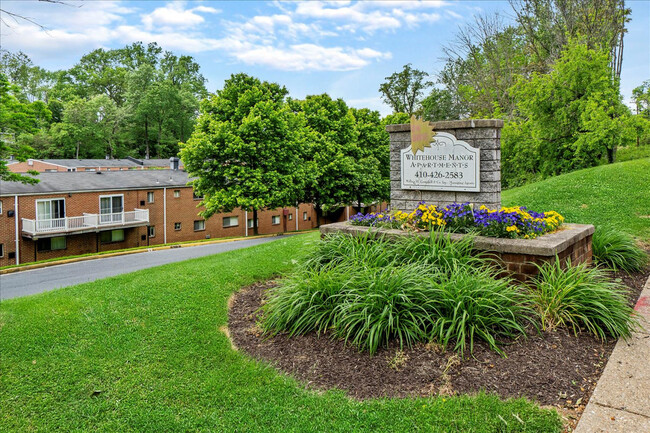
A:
x: 451, y: 124
x: 549, y: 244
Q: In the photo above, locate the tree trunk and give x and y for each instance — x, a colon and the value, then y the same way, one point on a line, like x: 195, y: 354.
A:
x: 78, y: 144
x: 146, y: 137
x: 255, y: 228
x: 319, y: 213
x: 610, y: 154
x: 159, y: 136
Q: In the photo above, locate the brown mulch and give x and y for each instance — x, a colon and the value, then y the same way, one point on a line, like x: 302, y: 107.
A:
x: 554, y: 368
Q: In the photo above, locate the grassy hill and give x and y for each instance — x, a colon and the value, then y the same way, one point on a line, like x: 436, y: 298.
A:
x: 616, y: 195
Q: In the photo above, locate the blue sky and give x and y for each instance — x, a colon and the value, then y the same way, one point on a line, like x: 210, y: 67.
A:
x: 343, y: 48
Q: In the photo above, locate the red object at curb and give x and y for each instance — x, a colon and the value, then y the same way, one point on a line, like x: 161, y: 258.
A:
x: 643, y: 303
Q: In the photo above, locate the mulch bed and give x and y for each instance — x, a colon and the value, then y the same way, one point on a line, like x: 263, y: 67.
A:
x: 554, y: 368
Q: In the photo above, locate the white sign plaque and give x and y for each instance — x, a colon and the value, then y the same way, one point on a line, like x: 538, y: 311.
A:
x: 446, y: 165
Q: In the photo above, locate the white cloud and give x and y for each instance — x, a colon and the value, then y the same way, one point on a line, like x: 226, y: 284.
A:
x: 355, y: 15
x: 175, y: 15
x: 301, y: 57
x: 298, y: 36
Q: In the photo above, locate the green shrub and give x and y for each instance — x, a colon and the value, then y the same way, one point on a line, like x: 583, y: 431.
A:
x: 617, y: 250
x: 414, y: 289
x: 435, y: 249
x: 438, y: 250
x: 579, y: 297
x: 472, y: 303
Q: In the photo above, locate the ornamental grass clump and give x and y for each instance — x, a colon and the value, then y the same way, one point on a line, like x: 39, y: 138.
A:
x: 471, y: 304
x: 617, y: 250
x: 578, y: 297
x: 368, y: 292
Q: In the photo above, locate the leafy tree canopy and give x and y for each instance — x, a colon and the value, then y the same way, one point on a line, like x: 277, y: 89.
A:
x: 402, y: 90
x: 244, y: 150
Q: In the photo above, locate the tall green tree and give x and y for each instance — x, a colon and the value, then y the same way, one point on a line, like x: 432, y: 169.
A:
x: 403, y: 90
x: 329, y: 152
x: 641, y: 98
x: 549, y: 25
x: 372, y: 170
x: 439, y: 105
x: 16, y: 118
x: 244, y: 151
x: 574, y: 113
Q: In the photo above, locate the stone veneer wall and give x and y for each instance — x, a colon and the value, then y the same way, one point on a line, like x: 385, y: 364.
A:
x: 484, y: 134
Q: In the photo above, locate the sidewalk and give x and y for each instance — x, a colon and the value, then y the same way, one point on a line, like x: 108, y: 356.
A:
x: 621, y: 400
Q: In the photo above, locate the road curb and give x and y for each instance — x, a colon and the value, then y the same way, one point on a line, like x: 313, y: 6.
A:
x: 143, y: 250
x: 620, y: 401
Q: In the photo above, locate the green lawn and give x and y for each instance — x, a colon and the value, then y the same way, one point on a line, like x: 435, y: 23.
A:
x: 143, y: 352
x: 616, y: 195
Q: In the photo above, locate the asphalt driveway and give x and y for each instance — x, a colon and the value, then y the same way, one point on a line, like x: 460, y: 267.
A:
x: 54, y: 277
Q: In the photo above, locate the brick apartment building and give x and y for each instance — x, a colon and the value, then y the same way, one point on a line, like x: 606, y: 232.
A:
x: 68, y: 165
x: 71, y: 213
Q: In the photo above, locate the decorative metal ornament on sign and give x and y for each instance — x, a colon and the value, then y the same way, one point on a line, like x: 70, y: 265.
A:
x: 439, y: 162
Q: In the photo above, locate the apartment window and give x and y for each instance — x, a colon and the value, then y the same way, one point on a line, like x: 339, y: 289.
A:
x: 290, y: 217
x: 112, y: 236
x: 111, y: 209
x: 51, y: 244
x: 275, y: 220
x: 152, y: 231
x: 2, y: 250
x: 0, y: 207
x: 48, y: 210
x: 150, y: 197
x: 232, y: 221
x: 250, y: 223
x: 199, y: 225
x: 177, y: 226
x: 304, y: 216
x: 177, y: 193
x: 196, y: 197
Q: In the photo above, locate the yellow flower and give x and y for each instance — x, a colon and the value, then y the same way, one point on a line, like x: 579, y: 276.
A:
x: 512, y: 228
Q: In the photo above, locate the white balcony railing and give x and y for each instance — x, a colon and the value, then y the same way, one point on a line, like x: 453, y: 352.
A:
x: 85, y: 222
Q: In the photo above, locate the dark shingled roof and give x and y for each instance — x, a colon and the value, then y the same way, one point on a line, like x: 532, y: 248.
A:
x: 97, y: 181
x: 92, y: 162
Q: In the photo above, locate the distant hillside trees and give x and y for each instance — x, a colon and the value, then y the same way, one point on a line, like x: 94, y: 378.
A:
x: 552, y: 74
x: 138, y: 100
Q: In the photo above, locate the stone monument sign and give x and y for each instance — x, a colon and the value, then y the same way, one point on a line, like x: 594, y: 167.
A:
x: 445, y: 162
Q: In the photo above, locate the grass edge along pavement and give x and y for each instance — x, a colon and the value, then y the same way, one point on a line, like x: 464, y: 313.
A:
x: 143, y: 249
x: 143, y: 352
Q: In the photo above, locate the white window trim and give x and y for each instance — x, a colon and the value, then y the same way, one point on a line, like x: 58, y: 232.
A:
x: 180, y: 226
x: 153, y: 197
x: 229, y: 218
x: 65, y: 206
x: 0, y: 207
x: 304, y: 216
x: 2, y: 250
x: 199, y: 230
x: 150, y: 230
x: 179, y: 193
x: 273, y: 219
x: 110, y: 196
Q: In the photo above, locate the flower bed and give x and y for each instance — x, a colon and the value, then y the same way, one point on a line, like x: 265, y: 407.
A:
x: 507, y: 222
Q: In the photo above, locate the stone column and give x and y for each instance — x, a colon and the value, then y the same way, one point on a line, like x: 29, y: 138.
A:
x: 484, y: 134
